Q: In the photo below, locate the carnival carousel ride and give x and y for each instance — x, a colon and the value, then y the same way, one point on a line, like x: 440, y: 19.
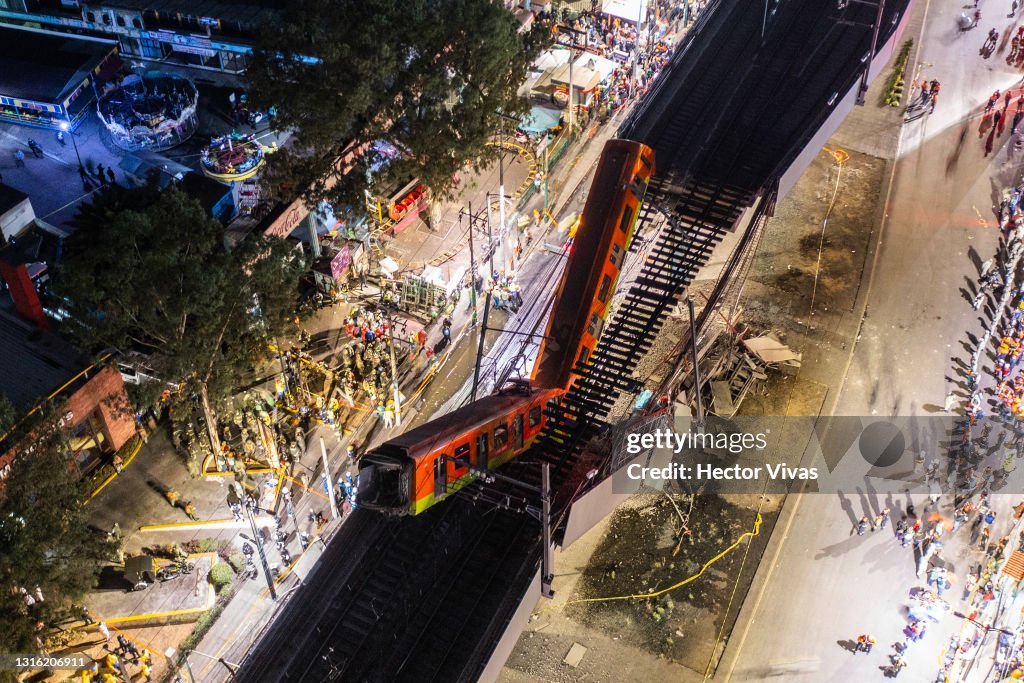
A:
x: 155, y: 111
x: 233, y: 157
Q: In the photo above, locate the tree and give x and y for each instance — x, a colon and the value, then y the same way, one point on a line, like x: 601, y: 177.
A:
x: 429, y: 77
x: 150, y: 272
x: 45, y: 541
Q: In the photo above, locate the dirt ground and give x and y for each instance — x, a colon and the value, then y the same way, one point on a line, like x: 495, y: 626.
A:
x: 644, y: 552
x: 802, y: 285
x: 671, y: 637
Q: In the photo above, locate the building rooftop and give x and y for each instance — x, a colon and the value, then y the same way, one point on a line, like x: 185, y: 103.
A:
x: 10, y: 198
x: 42, y: 66
x: 35, y: 363
x: 244, y: 11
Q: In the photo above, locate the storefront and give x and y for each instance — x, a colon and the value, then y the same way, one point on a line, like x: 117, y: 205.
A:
x: 48, y: 79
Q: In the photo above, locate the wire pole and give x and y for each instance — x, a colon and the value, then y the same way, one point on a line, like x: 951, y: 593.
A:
x: 480, y: 348
x: 863, y: 89
x: 472, y: 265
x: 547, y: 559
x: 696, y: 366
x: 259, y: 548
x: 394, y: 369
x: 328, y: 484
x: 501, y: 187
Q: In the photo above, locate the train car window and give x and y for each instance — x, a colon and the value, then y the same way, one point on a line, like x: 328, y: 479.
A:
x: 606, y: 285
x: 616, y: 255
x: 627, y: 218
x: 500, y: 436
x: 584, y: 355
x: 462, y: 452
x: 638, y: 188
x: 594, y: 328
x: 534, y: 416
x: 645, y: 161
x: 517, y: 432
x: 481, y: 449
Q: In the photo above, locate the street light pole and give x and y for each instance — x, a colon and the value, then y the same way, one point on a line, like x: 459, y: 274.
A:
x: 490, y: 237
x: 696, y: 366
x: 572, y: 107
x: 501, y: 185
x: 480, y: 348
x: 328, y: 484
x: 66, y: 127
x: 394, y: 370
x: 259, y: 548
x: 862, y: 90
x: 472, y: 264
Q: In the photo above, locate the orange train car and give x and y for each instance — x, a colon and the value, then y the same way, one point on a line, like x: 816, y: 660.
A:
x: 408, y: 474
x: 602, y: 239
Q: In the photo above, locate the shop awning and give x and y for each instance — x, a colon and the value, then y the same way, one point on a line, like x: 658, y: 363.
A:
x: 583, y: 80
x: 595, y: 63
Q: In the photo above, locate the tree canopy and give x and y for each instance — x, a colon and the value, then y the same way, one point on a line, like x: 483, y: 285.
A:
x: 150, y: 272
x: 428, y: 77
x: 45, y: 541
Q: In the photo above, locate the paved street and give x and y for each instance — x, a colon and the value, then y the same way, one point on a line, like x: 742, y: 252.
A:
x: 818, y: 586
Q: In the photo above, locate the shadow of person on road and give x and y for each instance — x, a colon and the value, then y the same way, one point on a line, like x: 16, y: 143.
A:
x: 847, y: 505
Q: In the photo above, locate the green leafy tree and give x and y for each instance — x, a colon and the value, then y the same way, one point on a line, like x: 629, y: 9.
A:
x: 150, y: 272
x: 45, y: 541
x: 429, y: 77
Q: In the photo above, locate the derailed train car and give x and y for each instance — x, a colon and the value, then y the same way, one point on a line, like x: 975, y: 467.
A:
x: 413, y: 471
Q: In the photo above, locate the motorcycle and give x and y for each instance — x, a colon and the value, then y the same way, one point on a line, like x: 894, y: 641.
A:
x: 174, y: 571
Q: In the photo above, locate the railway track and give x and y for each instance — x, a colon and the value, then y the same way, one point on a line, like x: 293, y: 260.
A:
x: 426, y: 598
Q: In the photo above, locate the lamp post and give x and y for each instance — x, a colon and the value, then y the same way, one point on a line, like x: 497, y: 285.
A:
x: 573, y: 33
x: 66, y: 127
x: 258, y: 540
x: 501, y: 184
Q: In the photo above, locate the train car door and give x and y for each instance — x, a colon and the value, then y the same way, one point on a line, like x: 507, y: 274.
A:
x: 517, y: 432
x: 482, y: 453
x: 440, y: 478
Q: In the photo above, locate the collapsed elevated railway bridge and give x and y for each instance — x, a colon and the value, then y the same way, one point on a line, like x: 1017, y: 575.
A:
x: 751, y: 94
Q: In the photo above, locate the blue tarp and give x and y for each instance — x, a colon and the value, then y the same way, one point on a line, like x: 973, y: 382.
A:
x: 540, y: 119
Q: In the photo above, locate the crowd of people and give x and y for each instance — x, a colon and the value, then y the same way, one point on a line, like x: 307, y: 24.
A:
x: 928, y: 533
x: 972, y: 471
x: 365, y: 368
x: 505, y: 292
x: 113, y: 666
x: 641, y: 55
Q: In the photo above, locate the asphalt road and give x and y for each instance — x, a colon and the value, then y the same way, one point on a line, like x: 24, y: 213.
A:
x: 818, y: 585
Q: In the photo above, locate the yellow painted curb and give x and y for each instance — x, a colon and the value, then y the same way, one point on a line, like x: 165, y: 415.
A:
x: 183, y: 525
x: 156, y: 615
x: 113, y: 476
